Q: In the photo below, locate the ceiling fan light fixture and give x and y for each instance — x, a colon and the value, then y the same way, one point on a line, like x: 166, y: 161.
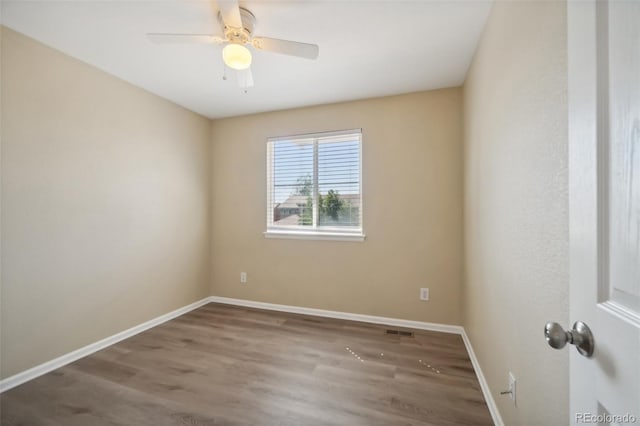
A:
x: 236, y: 56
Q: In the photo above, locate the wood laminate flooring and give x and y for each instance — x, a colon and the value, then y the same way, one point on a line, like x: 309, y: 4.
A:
x: 226, y: 365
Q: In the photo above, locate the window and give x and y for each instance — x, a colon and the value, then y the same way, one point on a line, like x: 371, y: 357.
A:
x: 313, y: 186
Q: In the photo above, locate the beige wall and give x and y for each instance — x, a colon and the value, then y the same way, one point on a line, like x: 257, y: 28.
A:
x: 105, y: 204
x: 516, y: 219
x: 412, y: 197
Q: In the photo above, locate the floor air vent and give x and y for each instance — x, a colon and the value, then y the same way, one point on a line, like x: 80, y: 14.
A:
x: 400, y: 332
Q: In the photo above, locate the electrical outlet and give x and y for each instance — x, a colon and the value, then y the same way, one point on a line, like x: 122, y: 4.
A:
x: 424, y: 294
x: 511, y: 391
x: 243, y: 277
x: 512, y: 387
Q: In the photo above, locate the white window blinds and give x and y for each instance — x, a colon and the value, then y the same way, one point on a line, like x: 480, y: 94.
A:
x: 314, y: 183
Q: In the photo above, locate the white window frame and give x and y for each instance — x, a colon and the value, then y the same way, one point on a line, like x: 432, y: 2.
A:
x: 314, y: 232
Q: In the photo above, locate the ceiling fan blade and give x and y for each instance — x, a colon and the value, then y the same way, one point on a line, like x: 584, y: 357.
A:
x: 245, y: 78
x: 168, y: 38
x: 230, y: 11
x: 286, y: 47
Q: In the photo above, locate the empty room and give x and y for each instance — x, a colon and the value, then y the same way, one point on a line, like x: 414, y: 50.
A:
x: 316, y: 212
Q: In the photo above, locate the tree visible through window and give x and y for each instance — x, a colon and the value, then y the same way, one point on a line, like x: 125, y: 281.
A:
x: 313, y: 183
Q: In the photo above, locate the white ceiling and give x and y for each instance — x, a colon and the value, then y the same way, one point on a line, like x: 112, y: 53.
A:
x: 367, y: 48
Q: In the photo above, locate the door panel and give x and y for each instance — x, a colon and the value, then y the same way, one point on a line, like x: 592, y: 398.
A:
x: 604, y: 196
x: 621, y: 31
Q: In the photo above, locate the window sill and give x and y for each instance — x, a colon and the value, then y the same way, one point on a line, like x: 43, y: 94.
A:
x: 317, y: 236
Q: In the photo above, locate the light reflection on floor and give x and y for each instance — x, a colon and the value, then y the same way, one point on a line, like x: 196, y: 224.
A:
x: 423, y: 363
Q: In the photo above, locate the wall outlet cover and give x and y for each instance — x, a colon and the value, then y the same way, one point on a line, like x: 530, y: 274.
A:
x: 424, y: 294
x: 512, y: 387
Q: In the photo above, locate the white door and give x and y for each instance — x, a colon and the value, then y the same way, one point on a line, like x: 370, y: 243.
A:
x: 604, y: 194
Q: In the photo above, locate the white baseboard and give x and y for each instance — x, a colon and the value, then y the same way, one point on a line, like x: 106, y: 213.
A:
x: 419, y: 325
x: 39, y: 370
x: 491, y: 403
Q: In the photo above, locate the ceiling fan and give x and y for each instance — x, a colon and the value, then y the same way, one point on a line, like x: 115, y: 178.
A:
x: 238, y: 24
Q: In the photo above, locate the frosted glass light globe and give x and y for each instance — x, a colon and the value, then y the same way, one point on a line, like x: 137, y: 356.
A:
x: 236, y: 56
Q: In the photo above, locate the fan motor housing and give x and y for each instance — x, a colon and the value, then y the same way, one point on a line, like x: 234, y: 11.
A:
x: 240, y: 35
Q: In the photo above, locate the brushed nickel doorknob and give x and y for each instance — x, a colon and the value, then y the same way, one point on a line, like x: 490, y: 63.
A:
x: 580, y: 336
